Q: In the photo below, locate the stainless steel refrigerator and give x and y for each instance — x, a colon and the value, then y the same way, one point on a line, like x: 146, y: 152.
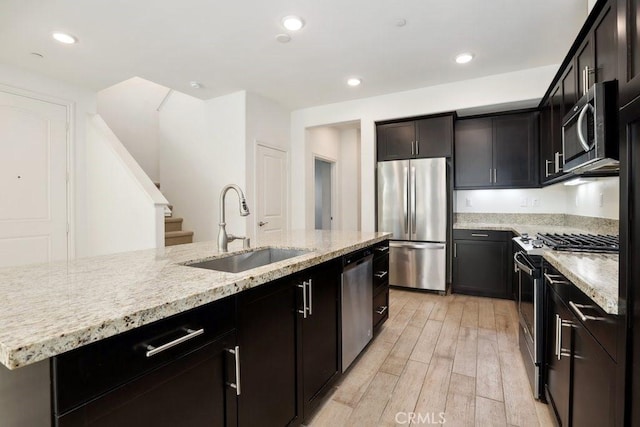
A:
x: 412, y: 204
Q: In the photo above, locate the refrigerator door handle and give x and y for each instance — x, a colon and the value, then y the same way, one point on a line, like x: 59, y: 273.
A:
x: 413, y: 201
x: 406, y: 201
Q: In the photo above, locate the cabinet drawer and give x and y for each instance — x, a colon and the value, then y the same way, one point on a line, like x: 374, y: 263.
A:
x: 603, y: 328
x: 381, y: 250
x: 380, y: 308
x: 482, y: 235
x: 380, y: 272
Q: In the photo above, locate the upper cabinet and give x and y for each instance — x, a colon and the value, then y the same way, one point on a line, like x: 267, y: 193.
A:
x: 595, y: 60
x: 415, y: 139
x: 628, y: 14
x: 499, y: 151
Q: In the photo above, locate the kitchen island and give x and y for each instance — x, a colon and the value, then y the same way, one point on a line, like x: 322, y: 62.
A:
x: 49, y: 309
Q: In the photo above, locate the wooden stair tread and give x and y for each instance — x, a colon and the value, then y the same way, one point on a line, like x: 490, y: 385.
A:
x: 178, y: 234
x: 172, y: 219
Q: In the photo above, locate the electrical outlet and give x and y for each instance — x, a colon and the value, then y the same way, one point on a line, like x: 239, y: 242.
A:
x: 601, y: 200
x: 524, y: 202
x: 468, y: 202
x: 535, y: 203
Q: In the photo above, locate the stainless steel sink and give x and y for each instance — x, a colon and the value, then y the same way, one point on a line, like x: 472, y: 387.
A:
x: 236, y: 263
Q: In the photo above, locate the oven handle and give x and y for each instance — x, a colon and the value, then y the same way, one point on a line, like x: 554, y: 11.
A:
x: 581, y: 117
x: 520, y: 265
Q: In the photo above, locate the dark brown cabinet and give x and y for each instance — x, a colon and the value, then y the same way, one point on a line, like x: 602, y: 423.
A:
x: 628, y: 14
x: 177, y: 371
x: 288, y: 333
x: 481, y: 262
x: 380, y: 285
x: 558, y: 355
x: 499, y: 151
x: 417, y: 138
x: 551, y: 114
x: 319, y: 332
x: 580, y: 366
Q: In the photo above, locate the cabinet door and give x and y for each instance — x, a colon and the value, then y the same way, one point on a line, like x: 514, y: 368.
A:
x: 629, y: 49
x: 605, y: 45
x: 546, y: 142
x: 267, y: 328
x: 585, y: 66
x: 558, y: 351
x: 569, y: 91
x: 515, y: 149
x: 191, y: 391
x: 396, y: 141
x: 320, y: 356
x: 480, y: 268
x: 434, y: 137
x: 593, y: 382
x: 556, y: 130
x: 473, y: 153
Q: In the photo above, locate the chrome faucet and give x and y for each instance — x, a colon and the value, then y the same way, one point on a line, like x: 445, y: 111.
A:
x: 223, y: 237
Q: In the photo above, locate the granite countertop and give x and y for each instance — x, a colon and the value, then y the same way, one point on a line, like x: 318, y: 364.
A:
x: 594, y: 274
x: 49, y: 309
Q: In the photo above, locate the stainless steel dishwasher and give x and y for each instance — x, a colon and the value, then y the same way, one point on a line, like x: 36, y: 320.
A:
x: 357, y: 304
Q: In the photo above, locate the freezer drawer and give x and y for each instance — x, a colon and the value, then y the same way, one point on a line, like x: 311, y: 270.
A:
x: 418, y: 265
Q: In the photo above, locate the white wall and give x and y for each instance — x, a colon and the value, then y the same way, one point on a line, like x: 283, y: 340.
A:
x: 267, y: 123
x: 349, y: 189
x: 497, y: 89
x: 125, y: 211
x: 84, y: 102
x: 583, y: 200
x: 202, y: 148
x: 130, y: 110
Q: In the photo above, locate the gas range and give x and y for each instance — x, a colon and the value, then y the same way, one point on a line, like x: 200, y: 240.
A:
x: 592, y: 243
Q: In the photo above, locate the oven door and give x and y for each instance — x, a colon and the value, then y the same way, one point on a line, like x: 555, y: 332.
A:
x: 526, y: 292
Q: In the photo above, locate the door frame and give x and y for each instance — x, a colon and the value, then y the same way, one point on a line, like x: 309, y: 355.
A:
x: 334, y: 186
x: 70, y: 106
x: 287, y: 154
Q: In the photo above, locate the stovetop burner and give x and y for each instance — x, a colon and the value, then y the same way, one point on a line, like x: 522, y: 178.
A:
x: 581, y: 242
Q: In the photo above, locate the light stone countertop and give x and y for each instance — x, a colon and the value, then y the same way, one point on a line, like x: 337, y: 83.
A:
x: 594, y: 274
x: 48, y: 309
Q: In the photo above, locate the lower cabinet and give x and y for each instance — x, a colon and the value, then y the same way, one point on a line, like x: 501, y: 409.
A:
x: 177, y: 371
x: 380, y: 285
x: 288, y: 335
x: 481, y: 260
x: 581, y: 372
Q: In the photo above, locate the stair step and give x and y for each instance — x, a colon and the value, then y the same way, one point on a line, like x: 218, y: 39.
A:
x: 172, y: 224
x: 172, y: 238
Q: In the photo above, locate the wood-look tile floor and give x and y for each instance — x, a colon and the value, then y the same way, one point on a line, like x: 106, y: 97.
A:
x: 447, y: 358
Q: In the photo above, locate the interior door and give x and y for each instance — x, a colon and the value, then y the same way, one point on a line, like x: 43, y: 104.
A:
x: 271, y: 191
x: 33, y: 180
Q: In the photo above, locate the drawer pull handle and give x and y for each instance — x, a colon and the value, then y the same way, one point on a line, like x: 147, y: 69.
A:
x: 152, y: 350
x: 576, y: 308
x: 553, y: 279
x: 479, y: 235
x: 236, y: 354
x: 382, y: 309
x: 381, y: 274
x: 382, y: 249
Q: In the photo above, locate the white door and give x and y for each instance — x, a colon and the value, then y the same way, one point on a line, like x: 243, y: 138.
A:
x: 33, y: 189
x: 271, y: 191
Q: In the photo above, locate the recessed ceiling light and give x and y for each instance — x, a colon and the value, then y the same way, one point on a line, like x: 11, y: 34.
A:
x: 283, y: 38
x: 64, y: 37
x: 292, y: 23
x: 354, y: 81
x: 195, y: 85
x: 463, y: 58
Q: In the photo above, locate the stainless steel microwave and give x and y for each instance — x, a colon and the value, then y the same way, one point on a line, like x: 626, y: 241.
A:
x: 590, y: 131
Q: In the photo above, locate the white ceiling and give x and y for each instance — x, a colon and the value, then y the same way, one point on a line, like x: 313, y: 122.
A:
x: 229, y: 46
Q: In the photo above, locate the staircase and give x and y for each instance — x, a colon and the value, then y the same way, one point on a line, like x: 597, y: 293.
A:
x: 173, y: 233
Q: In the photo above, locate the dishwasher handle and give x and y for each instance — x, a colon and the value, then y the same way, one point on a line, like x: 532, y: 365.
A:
x: 351, y: 264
